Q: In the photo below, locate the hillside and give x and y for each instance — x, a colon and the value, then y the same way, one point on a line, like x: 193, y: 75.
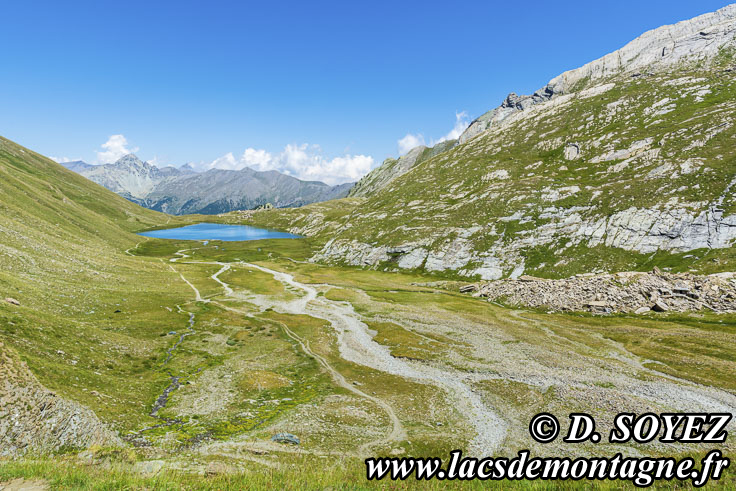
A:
x: 624, y: 163
x: 67, y: 359
x: 381, y: 176
x: 182, y: 191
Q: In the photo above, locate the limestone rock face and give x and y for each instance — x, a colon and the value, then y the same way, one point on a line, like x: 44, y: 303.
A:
x: 34, y: 419
x: 572, y: 151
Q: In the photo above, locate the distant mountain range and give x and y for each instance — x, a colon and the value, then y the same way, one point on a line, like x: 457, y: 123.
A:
x: 182, y: 190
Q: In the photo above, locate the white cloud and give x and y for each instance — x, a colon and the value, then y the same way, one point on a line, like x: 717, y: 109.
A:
x: 157, y: 162
x: 461, y: 124
x: 409, y: 141
x: 258, y: 159
x: 301, y: 161
x: 62, y: 160
x: 226, y: 162
x: 115, y: 147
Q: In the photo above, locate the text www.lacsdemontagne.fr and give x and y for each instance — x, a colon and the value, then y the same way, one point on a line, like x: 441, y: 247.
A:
x: 641, y: 472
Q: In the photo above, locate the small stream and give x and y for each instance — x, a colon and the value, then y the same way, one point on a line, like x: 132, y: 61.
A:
x: 163, y: 399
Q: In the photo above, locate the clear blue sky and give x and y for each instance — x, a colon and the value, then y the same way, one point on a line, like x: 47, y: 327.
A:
x: 193, y: 80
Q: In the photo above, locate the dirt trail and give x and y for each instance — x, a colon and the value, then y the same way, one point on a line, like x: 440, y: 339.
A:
x: 127, y: 251
x: 356, y: 345
x: 397, y: 433
x: 197, y: 296
x: 21, y: 484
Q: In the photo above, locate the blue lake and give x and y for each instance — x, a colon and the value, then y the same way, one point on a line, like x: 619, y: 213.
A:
x: 218, y: 231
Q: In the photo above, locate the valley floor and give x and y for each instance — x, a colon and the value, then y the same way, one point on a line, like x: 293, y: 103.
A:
x: 251, y: 341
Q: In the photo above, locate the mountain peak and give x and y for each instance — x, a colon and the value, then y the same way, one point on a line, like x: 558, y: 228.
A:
x: 130, y: 160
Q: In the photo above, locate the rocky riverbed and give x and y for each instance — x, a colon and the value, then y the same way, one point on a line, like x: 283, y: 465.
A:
x: 630, y: 292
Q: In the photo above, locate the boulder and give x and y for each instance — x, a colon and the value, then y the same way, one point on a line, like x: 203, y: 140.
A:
x: 148, y: 467
x: 572, y: 151
x: 286, y: 438
x: 660, y: 306
x: 12, y: 301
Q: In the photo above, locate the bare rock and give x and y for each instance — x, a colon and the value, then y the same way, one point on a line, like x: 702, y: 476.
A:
x: 572, y: 151
x: 12, y: 301
x: 34, y: 419
x: 148, y: 467
x: 660, y: 306
x: 286, y: 438
x: 629, y: 292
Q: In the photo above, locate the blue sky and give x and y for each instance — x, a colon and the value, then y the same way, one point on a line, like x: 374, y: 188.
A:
x: 319, y: 89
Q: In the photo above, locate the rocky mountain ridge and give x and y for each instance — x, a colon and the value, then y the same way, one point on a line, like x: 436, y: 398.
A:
x: 696, y: 39
x: 183, y: 191
x: 390, y: 169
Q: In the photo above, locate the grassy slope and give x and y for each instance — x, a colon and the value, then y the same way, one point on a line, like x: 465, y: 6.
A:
x: 262, y: 349
x: 62, y: 243
x: 455, y: 190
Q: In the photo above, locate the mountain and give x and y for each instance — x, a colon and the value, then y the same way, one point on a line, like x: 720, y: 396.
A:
x: 220, y: 191
x: 183, y: 191
x: 129, y: 176
x: 246, y: 365
x: 625, y: 161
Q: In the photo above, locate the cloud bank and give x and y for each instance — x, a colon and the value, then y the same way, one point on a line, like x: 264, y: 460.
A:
x: 303, y: 161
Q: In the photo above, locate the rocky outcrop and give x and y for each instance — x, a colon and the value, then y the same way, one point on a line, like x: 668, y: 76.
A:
x: 620, y: 292
x: 638, y: 230
x: 652, y: 230
x: 34, y: 419
x: 696, y: 39
x: 389, y: 170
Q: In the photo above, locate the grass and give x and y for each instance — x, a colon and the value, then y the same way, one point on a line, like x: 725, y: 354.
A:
x: 299, y: 474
